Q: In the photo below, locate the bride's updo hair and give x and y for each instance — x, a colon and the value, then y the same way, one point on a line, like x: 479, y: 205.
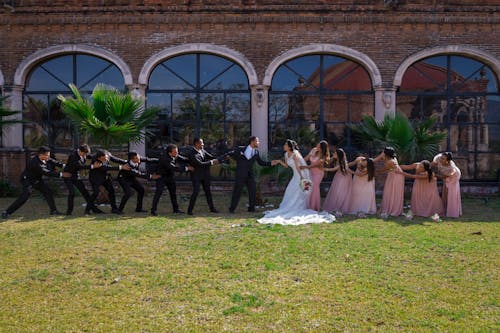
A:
x: 389, y: 152
x: 292, y: 145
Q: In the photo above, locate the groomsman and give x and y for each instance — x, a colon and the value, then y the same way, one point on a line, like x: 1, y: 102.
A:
x: 99, y: 176
x: 75, y: 163
x: 167, y: 166
x: 32, y: 178
x: 128, y: 180
x: 245, y: 157
x: 201, y: 161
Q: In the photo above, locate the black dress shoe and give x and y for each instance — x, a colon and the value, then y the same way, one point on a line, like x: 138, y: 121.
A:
x: 231, y: 211
x: 56, y: 212
x: 153, y: 213
x: 214, y: 211
x: 116, y: 211
x: 251, y: 210
x: 190, y: 213
x: 68, y: 213
x: 5, y: 215
x: 87, y: 212
x: 141, y: 211
x: 177, y: 211
x: 97, y: 211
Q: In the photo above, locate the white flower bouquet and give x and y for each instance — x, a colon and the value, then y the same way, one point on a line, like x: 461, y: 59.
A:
x: 305, y: 185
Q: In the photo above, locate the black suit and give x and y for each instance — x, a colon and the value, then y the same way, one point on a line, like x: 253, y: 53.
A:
x: 128, y: 181
x: 245, y: 176
x: 32, y: 178
x: 201, y: 162
x: 74, y: 164
x: 101, y: 177
x: 167, y: 166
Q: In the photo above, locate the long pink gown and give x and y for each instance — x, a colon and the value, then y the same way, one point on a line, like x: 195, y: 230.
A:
x: 393, y: 194
x: 316, y: 175
x: 425, y: 199
x: 362, y: 198
x: 453, y: 198
x: 339, y: 194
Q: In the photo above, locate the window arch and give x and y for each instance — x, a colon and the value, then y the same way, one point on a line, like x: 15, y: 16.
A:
x: 199, y: 95
x: 315, y: 97
x: 463, y: 94
x: 46, y: 124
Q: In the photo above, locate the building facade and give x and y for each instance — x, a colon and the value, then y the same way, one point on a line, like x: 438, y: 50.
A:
x: 224, y: 70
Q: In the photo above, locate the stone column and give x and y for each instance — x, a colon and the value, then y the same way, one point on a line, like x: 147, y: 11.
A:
x: 385, y: 102
x: 260, y: 115
x: 138, y: 91
x: 12, y: 136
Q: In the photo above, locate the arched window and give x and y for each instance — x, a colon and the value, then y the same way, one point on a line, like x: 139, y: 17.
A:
x: 315, y: 97
x: 463, y: 94
x: 46, y: 123
x: 199, y: 95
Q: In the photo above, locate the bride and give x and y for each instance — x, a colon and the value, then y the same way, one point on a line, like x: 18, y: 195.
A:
x: 293, y: 208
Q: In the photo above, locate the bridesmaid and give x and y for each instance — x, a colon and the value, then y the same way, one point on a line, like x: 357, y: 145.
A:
x: 393, y: 194
x: 317, y: 158
x: 451, y: 185
x: 362, y: 198
x: 337, y: 199
x: 425, y: 199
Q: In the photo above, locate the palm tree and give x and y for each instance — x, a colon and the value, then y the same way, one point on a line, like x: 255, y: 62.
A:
x: 110, y: 116
x: 412, y: 140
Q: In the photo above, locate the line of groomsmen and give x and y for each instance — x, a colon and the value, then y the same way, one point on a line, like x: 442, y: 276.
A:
x: 198, y: 162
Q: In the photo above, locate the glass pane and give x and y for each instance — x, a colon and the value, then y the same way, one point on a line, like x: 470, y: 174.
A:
x: 232, y: 79
x: 345, y: 75
x: 488, y: 165
x: 167, y: 77
x: 40, y: 80
x: 296, y: 73
x: 211, y: 67
x: 92, y: 70
x: 238, y: 107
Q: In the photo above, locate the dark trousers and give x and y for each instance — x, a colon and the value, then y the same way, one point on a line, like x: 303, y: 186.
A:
x: 196, y: 190
x: 251, y: 185
x: 71, y: 183
x: 23, y: 197
x: 127, y: 186
x: 172, y: 190
x: 108, y: 185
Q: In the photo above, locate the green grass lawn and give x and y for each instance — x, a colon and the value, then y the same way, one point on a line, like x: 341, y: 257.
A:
x: 222, y: 272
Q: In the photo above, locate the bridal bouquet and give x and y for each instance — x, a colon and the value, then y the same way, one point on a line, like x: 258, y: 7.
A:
x: 305, y: 185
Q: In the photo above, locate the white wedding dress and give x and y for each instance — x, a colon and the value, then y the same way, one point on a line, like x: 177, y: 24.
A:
x: 293, y: 208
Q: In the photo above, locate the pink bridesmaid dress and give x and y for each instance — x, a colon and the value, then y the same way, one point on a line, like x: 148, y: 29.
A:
x: 425, y: 199
x: 339, y: 194
x: 393, y: 194
x: 453, y: 198
x: 316, y: 173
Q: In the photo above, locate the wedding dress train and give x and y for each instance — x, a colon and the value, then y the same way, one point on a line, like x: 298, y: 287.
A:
x: 293, y: 208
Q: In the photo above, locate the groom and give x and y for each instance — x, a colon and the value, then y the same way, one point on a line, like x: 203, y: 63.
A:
x: 244, y: 157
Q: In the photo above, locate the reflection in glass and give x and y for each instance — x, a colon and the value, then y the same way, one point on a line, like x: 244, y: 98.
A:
x: 199, y: 95
x: 314, y: 97
x: 462, y: 93
x: 46, y: 124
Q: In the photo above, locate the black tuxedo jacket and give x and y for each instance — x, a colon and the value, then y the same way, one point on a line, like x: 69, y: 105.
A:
x: 35, y: 169
x: 134, y: 172
x: 99, y: 175
x: 75, y: 163
x: 244, y: 166
x: 167, y: 166
x: 200, y: 161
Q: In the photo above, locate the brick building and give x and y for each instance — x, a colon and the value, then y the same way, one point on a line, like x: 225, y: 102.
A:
x: 226, y: 69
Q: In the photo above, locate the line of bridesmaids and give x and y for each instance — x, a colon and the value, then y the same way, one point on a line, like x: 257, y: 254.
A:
x: 352, y: 190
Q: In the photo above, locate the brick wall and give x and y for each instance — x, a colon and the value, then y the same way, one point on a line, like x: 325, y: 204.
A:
x: 261, y: 30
